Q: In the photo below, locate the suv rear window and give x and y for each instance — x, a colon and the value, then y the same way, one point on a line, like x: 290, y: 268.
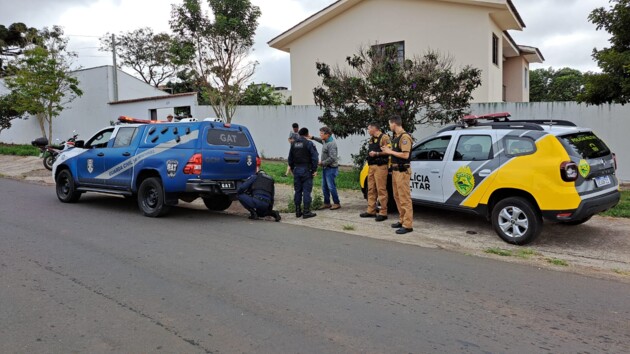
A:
x: 227, y: 137
x: 585, y: 145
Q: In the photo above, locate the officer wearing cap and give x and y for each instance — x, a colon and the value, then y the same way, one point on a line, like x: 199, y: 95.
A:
x: 377, y: 173
x: 256, y: 195
x: 303, y: 161
x: 401, y: 174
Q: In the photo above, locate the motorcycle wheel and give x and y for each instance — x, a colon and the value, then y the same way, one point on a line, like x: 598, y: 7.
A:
x: 49, y: 160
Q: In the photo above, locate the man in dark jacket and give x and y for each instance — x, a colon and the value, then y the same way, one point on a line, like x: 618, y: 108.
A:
x: 257, y: 196
x: 303, y: 160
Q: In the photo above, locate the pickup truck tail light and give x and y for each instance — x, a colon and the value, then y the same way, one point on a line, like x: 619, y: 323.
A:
x: 193, y: 167
x: 569, y: 171
x: 258, y: 162
x: 615, y: 160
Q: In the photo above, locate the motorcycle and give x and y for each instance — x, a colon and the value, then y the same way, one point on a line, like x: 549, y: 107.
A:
x: 50, y: 152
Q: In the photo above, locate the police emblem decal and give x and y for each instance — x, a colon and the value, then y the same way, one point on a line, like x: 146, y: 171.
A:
x: 90, y: 165
x: 171, y: 168
x: 464, y: 181
x: 584, y: 168
x: 249, y: 160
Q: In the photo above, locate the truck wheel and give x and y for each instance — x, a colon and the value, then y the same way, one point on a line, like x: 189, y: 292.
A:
x: 49, y: 160
x: 66, y: 190
x: 217, y: 203
x: 576, y: 222
x: 516, y: 220
x: 151, y: 198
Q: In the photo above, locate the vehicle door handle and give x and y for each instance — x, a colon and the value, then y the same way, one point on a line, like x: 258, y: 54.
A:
x: 127, y: 154
x: 435, y: 171
x: 100, y: 154
x: 485, y: 173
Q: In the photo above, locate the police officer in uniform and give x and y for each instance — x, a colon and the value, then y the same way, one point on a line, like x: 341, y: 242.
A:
x: 377, y: 176
x: 256, y: 195
x: 303, y: 161
x: 401, y: 174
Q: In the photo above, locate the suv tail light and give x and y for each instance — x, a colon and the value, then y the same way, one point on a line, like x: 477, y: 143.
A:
x: 258, y: 163
x: 193, y: 167
x: 569, y: 171
x: 615, y: 160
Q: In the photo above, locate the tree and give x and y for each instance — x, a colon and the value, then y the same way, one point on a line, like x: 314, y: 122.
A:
x: 8, y: 111
x: 613, y: 84
x: 381, y: 85
x: 217, y: 51
x: 261, y: 95
x: 13, y: 41
x: 549, y: 85
x: 148, y: 54
x: 41, y: 81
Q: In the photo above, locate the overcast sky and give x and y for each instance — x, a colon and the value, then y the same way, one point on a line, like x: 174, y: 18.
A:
x: 559, y: 28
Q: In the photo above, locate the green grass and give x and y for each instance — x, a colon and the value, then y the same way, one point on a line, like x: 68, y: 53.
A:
x: 621, y: 272
x: 18, y: 150
x: 349, y: 227
x: 558, y: 262
x: 348, y: 177
x: 622, y: 210
x: 499, y: 252
x: 526, y: 253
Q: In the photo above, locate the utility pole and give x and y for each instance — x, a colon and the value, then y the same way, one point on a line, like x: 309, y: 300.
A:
x: 115, y: 77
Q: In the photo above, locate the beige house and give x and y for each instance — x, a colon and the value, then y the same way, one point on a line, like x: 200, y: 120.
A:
x: 473, y: 32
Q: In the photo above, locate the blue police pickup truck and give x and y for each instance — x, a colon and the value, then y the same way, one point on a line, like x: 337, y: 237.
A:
x: 159, y: 164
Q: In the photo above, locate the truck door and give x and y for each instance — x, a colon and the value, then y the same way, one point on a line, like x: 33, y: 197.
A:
x: 472, y: 161
x: 90, y: 164
x: 427, y: 167
x: 119, y: 157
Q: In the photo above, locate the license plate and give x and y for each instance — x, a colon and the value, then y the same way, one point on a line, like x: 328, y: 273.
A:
x: 227, y: 185
x: 602, y: 181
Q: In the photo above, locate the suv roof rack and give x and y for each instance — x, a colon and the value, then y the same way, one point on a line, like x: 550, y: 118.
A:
x: 496, y: 125
x: 502, y: 120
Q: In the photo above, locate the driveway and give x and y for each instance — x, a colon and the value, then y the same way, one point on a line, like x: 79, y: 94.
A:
x: 600, y: 247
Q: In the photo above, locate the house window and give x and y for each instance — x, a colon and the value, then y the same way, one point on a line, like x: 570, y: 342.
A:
x: 526, y: 77
x: 495, y: 49
x: 395, y: 49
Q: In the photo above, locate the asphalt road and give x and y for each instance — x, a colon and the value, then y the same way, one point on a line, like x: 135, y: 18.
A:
x: 97, y: 276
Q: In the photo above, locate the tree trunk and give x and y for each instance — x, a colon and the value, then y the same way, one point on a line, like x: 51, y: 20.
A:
x: 40, y: 120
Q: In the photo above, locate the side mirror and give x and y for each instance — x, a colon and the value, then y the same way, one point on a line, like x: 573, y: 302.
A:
x: 79, y: 144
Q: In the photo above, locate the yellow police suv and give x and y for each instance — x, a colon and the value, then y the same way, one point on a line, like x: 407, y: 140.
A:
x: 514, y: 172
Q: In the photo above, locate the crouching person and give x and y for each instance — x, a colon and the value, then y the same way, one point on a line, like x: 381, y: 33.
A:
x: 257, y: 196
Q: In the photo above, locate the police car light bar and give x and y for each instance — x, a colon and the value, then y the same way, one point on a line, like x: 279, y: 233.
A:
x: 125, y: 119
x: 492, y: 116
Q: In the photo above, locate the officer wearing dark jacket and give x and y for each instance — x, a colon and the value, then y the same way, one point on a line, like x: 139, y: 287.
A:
x: 303, y: 161
x: 257, y: 196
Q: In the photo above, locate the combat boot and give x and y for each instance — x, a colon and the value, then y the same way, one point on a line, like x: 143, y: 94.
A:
x: 308, y: 214
x: 298, y: 212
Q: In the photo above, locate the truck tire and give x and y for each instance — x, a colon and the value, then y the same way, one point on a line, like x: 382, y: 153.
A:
x: 217, y: 203
x: 516, y: 220
x: 65, y: 187
x: 151, y: 198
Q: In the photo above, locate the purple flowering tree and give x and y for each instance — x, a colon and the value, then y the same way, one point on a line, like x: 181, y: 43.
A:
x: 378, y: 84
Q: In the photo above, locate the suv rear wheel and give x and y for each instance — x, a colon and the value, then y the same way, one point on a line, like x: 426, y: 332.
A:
x: 151, y: 198
x: 516, y: 220
x: 217, y: 203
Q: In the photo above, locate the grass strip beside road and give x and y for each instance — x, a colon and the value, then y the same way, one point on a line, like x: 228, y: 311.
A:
x: 622, y: 210
x: 348, y: 177
x: 18, y: 150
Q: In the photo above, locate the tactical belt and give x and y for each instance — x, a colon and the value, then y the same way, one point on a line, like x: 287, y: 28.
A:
x: 402, y: 168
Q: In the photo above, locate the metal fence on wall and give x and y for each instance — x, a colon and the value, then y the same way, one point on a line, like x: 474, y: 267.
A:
x: 270, y: 125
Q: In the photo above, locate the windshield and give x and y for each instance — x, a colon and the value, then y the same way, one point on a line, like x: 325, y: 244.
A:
x: 584, y: 145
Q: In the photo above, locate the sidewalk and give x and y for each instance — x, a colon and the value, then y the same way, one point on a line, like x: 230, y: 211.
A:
x: 599, y: 247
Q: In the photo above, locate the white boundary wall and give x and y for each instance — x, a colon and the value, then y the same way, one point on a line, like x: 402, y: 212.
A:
x: 270, y: 125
